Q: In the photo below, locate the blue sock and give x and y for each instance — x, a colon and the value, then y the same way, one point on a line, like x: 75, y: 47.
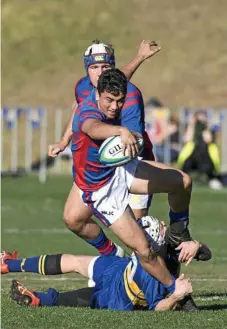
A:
x: 48, y: 298
x: 179, y: 216
x: 103, y: 244
x: 33, y: 264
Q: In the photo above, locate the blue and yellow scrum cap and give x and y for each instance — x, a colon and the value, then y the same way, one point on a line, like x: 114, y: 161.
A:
x: 99, y: 52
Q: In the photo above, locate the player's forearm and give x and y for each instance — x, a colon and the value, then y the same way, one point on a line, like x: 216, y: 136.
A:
x: 130, y: 68
x: 100, y: 131
x: 67, y: 135
x: 167, y: 303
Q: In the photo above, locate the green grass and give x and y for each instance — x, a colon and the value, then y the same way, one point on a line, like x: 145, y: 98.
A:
x: 32, y: 223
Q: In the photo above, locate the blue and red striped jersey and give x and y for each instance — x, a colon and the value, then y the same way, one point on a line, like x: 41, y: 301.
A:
x: 132, y: 114
x: 83, y: 89
x: 89, y: 173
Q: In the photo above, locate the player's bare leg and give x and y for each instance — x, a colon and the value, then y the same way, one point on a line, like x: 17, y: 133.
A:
x: 132, y: 235
x: 77, y: 217
x: 139, y: 213
x: 77, y: 264
x: 154, y: 177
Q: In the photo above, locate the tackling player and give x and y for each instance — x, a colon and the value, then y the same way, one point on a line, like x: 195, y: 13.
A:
x: 121, y: 284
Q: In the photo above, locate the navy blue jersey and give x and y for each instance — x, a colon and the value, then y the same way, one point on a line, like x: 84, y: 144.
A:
x: 123, y: 284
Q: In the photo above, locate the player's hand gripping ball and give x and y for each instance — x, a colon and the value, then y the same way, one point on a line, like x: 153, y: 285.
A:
x: 110, y: 152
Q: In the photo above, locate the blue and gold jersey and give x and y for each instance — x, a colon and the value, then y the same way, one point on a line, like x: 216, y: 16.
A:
x: 122, y: 284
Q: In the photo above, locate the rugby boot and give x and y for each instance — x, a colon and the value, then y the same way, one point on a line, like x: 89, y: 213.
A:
x: 23, y: 296
x: 203, y: 254
x: 188, y: 305
x: 176, y: 233
x: 6, y: 255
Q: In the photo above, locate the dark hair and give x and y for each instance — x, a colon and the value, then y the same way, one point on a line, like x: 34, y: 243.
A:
x: 113, y: 81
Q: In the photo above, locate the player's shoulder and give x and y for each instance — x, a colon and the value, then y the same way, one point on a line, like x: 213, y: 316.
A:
x: 89, y: 104
x: 82, y: 83
x: 133, y: 90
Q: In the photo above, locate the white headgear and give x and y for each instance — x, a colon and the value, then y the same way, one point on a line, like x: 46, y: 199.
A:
x: 151, y: 226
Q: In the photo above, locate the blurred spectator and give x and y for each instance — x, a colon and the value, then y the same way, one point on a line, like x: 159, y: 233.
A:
x: 163, y: 131
x: 167, y: 141
x: 200, y: 152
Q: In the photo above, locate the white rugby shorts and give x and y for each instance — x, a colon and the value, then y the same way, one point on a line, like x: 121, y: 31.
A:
x: 110, y: 201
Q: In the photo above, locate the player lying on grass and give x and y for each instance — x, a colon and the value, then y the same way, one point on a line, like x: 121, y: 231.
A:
x: 121, y: 284
x: 99, y: 57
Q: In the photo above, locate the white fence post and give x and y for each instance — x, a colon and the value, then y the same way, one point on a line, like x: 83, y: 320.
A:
x: 58, y: 134
x: 28, y: 140
x: 43, y: 148
x: 14, y: 142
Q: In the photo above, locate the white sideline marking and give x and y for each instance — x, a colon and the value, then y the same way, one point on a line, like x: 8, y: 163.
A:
x: 209, y: 279
x: 48, y: 279
x: 36, y: 230
x: 66, y: 231
x: 210, y: 298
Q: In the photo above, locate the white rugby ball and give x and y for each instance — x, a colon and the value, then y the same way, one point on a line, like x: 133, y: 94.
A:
x: 110, y: 152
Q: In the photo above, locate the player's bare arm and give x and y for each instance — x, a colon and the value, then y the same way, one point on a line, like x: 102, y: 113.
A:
x: 183, y: 288
x: 100, y: 131
x: 146, y: 50
x: 55, y: 149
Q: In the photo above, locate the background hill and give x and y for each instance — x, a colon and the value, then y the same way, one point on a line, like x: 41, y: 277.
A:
x: 42, y: 43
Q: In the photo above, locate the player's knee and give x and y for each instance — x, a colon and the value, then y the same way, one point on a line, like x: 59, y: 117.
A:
x: 72, y: 221
x: 187, y: 181
x: 181, y: 181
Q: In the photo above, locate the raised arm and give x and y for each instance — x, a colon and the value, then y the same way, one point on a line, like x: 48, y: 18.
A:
x: 147, y: 49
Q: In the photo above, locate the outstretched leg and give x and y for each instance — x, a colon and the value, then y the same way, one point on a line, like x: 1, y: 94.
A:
x: 26, y: 297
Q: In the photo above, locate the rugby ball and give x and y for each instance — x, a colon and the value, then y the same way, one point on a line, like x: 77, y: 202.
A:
x: 110, y: 152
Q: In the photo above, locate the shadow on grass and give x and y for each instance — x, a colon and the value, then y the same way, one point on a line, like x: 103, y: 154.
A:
x: 215, y: 296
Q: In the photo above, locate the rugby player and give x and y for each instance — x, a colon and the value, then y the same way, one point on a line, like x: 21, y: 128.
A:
x: 98, y: 58
x: 121, y: 284
x: 106, y: 190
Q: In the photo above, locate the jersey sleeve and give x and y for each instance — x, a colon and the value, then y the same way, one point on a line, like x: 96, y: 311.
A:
x: 82, y: 90
x: 132, y: 115
x: 89, y: 113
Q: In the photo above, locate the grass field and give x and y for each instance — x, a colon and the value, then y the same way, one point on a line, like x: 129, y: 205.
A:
x: 32, y: 224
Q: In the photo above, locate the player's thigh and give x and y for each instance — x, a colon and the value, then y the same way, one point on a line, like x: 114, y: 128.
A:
x: 78, y: 264
x: 129, y: 232
x: 75, y: 209
x: 155, y: 177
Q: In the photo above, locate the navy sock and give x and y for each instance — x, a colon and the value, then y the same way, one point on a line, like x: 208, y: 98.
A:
x: 48, y: 298
x: 14, y: 265
x: 33, y: 264
x: 103, y: 244
x: 179, y: 216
